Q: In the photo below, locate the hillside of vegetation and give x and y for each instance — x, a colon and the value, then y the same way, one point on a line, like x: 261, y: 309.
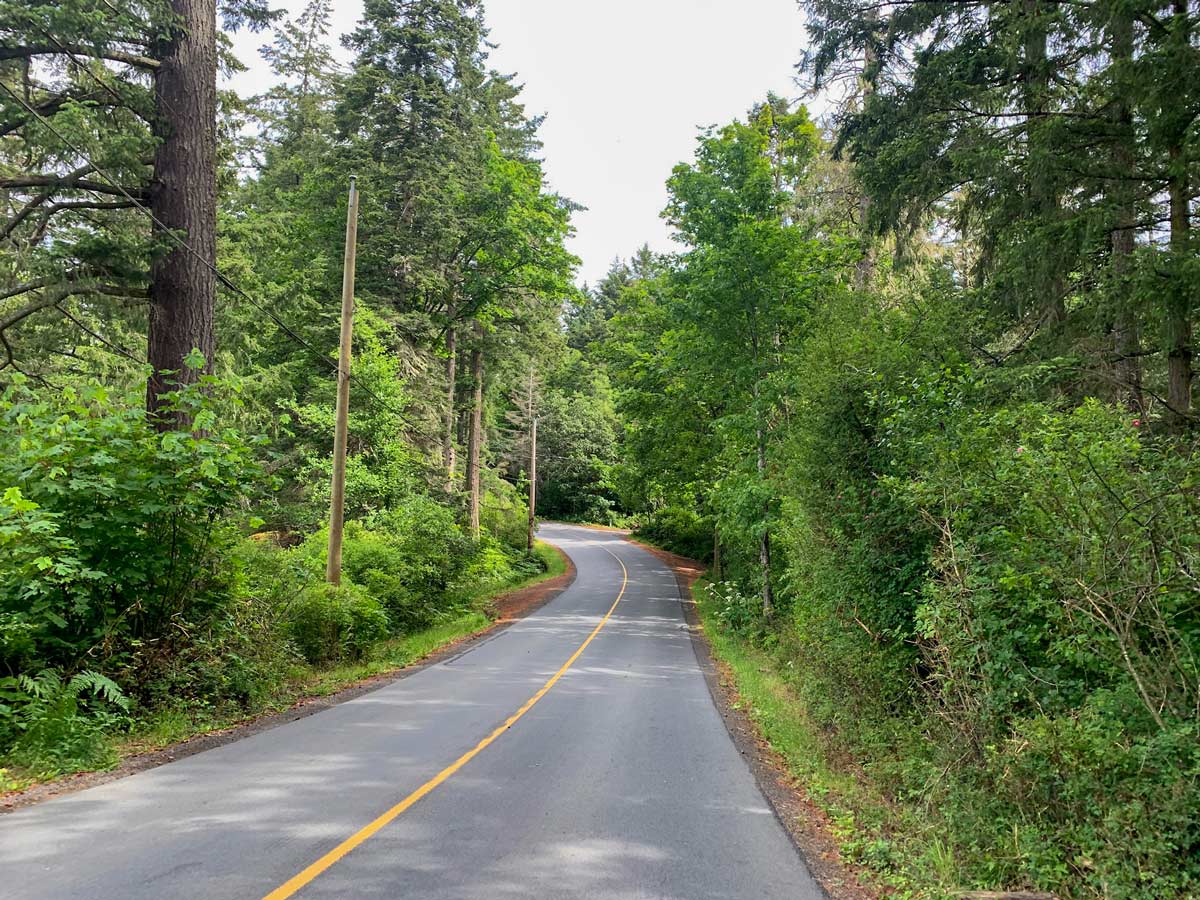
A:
x: 919, y: 386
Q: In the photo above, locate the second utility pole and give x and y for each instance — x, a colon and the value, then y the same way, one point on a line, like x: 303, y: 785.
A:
x: 532, y: 481
x: 337, y: 493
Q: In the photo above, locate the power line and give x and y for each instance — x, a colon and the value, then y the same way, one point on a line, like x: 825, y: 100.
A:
x: 221, y: 277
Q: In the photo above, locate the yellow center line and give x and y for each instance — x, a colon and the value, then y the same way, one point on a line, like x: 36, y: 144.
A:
x: 295, y: 883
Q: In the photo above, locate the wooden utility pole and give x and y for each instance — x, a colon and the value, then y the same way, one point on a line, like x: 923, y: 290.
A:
x: 532, y: 481
x: 475, y: 435
x: 337, y: 498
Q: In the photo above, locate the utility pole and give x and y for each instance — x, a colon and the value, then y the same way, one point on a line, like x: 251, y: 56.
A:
x: 532, y: 481
x: 337, y: 498
x: 532, y: 416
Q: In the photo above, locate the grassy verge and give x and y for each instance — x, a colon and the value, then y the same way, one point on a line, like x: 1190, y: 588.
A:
x: 553, y: 562
x: 164, y: 727
x: 888, y: 841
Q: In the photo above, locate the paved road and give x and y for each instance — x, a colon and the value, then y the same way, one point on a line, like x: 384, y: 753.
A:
x: 620, y: 782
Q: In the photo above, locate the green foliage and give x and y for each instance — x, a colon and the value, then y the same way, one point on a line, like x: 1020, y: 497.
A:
x: 577, y: 443
x: 738, y: 612
x: 981, y: 562
x: 50, y: 724
x: 110, y: 527
x: 679, y: 530
x: 411, y: 558
x: 331, y: 623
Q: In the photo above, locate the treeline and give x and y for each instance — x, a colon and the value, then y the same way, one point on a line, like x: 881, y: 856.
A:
x: 919, y: 387
x: 170, y: 273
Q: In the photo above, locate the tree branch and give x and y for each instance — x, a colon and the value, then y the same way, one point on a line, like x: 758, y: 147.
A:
x: 129, y: 59
x: 72, y: 183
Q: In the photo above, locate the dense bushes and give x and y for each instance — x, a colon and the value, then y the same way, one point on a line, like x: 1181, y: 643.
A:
x: 330, y: 623
x: 128, y: 588
x: 985, y: 598
x: 679, y: 530
x: 112, y: 535
x: 997, y: 613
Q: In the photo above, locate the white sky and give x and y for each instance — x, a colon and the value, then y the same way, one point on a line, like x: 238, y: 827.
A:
x: 625, y: 84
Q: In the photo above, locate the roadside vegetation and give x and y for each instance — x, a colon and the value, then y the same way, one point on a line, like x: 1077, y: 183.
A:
x: 918, y: 387
x: 166, y: 434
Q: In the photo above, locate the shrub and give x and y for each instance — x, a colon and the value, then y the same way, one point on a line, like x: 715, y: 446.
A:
x: 412, y: 558
x: 495, y: 566
x: 679, y: 530
x: 111, y: 530
x: 51, y: 724
x: 739, y: 612
x: 244, y: 654
x: 330, y: 624
x: 503, y: 512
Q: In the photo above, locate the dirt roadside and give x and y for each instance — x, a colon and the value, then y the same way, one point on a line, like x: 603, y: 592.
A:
x: 503, y: 609
x: 806, y: 824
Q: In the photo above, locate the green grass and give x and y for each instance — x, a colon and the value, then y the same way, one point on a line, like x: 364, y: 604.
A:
x: 890, y: 842
x: 552, y: 558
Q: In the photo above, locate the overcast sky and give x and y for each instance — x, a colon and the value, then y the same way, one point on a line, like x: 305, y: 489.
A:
x: 625, y: 84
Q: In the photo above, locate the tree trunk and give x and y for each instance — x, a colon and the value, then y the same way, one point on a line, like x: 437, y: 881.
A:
x: 532, y: 483
x: 716, y: 565
x: 1048, y: 281
x: 1127, y: 338
x: 764, y: 542
x: 1179, y: 301
x: 1179, y: 308
x: 448, y: 452
x: 475, y: 435
x: 183, y: 198
x: 864, y: 269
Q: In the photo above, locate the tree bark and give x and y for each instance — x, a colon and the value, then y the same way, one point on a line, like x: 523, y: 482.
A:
x: 532, y: 483
x: 764, y: 542
x: 1179, y: 308
x: 1042, y: 192
x: 183, y: 199
x: 1127, y: 338
x: 448, y: 451
x: 864, y: 269
x: 475, y: 435
x: 1179, y: 302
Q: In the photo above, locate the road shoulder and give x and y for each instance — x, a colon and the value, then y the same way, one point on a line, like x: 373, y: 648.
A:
x: 805, y: 823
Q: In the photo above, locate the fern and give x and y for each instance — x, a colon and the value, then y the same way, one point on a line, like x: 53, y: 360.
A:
x: 58, y: 725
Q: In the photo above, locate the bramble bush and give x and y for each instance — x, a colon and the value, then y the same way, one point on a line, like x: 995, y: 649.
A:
x: 334, y: 623
x: 1061, y: 631
x: 113, y: 533
x: 993, y: 606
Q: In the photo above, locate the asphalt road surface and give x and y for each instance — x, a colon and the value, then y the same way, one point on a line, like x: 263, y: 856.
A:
x: 503, y: 772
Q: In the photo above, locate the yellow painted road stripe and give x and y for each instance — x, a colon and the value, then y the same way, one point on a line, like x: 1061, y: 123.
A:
x: 292, y: 885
